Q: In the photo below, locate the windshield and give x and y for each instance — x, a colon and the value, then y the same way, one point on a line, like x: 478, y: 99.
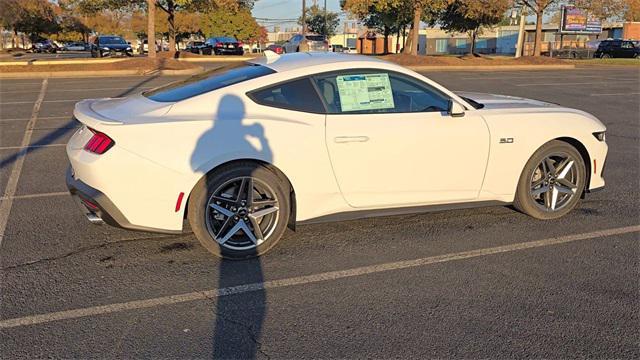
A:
x: 315, y: 37
x: 207, y: 81
x: 112, y: 40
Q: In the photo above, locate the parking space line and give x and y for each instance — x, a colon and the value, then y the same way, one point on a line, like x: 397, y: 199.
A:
x: 75, y: 90
x: 47, y: 101
x: 12, y: 182
x: 307, y: 279
x: 35, y: 196
x: 30, y: 146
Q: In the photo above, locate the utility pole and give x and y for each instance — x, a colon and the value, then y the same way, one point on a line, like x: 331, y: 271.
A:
x: 325, y: 29
x: 304, y: 17
x: 521, y: 32
x: 151, y: 28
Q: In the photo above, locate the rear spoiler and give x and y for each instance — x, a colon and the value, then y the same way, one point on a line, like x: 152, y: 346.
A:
x: 85, y: 114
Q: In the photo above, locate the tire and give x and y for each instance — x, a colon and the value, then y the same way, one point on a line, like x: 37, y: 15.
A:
x: 215, y: 208
x: 606, y: 56
x: 540, y: 183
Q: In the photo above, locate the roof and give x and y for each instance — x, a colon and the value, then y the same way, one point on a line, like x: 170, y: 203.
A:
x: 305, y: 59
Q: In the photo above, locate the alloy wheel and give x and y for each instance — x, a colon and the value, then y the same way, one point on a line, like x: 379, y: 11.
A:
x: 554, y: 182
x: 242, y: 213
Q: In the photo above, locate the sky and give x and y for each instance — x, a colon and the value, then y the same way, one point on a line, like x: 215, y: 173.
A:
x: 286, y: 9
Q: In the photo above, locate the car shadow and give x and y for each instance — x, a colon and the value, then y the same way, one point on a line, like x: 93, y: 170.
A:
x: 239, y: 317
x: 61, y: 131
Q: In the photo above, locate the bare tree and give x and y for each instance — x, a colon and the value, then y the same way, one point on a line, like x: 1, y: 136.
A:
x: 538, y: 7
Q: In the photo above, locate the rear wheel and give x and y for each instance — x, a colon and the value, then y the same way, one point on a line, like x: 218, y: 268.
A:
x: 239, y: 211
x: 552, y: 182
x: 606, y: 56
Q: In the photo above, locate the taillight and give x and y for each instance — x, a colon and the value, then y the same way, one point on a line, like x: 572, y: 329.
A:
x: 99, y: 142
x: 218, y: 44
x: 240, y: 43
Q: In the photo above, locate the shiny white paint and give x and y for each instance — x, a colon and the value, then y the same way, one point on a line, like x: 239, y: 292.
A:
x: 163, y: 149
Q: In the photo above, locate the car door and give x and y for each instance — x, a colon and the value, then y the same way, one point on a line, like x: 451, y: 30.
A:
x: 627, y: 49
x: 391, y: 141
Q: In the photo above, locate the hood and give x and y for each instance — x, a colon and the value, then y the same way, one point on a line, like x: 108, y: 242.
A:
x: 131, y: 109
x: 491, y: 101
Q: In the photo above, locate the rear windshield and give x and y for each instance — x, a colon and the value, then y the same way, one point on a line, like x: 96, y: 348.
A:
x: 226, y: 39
x: 315, y: 37
x: 207, y: 81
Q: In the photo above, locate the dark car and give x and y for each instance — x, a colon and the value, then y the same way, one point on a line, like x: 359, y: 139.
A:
x: 224, y: 45
x: 617, y: 49
x: 110, y: 45
x: 278, y: 49
x: 76, y: 46
x: 45, y: 46
x: 198, y: 47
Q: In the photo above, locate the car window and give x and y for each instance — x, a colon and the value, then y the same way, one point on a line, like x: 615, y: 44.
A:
x: 627, y: 45
x: 207, y: 81
x: 298, y: 95
x: 374, y: 91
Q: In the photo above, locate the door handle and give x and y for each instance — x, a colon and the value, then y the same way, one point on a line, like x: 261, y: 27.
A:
x: 348, y: 139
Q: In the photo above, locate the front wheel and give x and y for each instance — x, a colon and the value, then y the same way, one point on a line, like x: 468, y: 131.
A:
x: 552, y: 182
x: 239, y: 211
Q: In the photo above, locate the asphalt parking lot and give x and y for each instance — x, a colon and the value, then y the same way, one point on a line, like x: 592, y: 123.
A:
x: 487, y: 282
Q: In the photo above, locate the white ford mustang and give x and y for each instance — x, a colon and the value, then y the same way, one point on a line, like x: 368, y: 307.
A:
x: 246, y: 151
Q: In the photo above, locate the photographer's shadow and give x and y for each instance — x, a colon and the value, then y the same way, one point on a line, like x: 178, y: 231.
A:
x: 239, y: 317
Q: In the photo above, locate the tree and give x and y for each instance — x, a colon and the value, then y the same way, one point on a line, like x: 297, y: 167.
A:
x: 468, y: 16
x: 604, y: 9
x: 388, y: 19
x: 33, y: 17
x: 538, y: 7
x: 240, y: 24
x: 633, y: 10
x: 315, y: 20
x: 151, y: 29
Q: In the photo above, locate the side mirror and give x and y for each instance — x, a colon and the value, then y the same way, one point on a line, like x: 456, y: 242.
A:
x: 455, y: 109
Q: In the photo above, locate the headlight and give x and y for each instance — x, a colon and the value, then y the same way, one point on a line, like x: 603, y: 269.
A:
x: 128, y: 47
x: 105, y: 48
x: 601, y: 135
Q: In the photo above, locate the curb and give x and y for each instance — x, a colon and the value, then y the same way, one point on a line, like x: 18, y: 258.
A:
x: 490, y: 67
x: 60, y: 62
x: 217, y: 59
x: 66, y: 74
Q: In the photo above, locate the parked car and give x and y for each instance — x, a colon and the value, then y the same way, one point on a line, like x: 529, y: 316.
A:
x: 337, y: 48
x: 351, y: 50
x: 231, y: 171
x: 110, y: 45
x: 278, y: 49
x: 617, y: 49
x: 198, y: 47
x: 76, y: 46
x: 225, y: 45
x: 143, y: 46
x: 45, y: 46
x: 309, y: 42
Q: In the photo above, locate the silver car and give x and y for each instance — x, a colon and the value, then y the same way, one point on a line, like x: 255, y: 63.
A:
x: 309, y: 42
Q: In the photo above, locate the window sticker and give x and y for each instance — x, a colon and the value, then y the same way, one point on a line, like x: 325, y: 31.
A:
x: 365, y: 92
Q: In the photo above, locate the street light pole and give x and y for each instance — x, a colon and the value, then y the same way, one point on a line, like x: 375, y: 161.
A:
x: 521, y: 32
x: 325, y: 30
x: 304, y: 17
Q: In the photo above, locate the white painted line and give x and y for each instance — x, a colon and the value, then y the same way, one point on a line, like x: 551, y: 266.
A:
x: 47, y: 101
x: 570, y: 84
x: 30, y: 146
x: 617, y: 94
x: 302, y: 280
x: 529, y: 77
x: 12, y: 183
x: 35, y: 196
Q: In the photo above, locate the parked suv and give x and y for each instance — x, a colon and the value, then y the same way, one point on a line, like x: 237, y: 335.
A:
x: 198, y: 47
x: 110, y: 45
x: 224, y: 45
x: 309, y: 42
x: 617, y: 49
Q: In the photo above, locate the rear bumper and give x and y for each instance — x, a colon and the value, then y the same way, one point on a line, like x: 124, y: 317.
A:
x: 98, y: 208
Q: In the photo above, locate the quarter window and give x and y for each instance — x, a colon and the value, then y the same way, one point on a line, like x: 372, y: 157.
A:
x: 298, y: 95
x: 364, y: 92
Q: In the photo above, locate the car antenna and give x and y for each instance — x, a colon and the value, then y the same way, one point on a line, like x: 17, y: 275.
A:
x: 271, y: 56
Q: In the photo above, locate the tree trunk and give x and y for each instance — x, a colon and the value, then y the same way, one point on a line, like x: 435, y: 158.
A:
x: 538, y: 42
x: 474, y: 36
x: 14, y: 39
x: 172, y: 25
x: 386, y: 40
x: 407, y: 42
x: 151, y: 28
x: 415, y: 36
